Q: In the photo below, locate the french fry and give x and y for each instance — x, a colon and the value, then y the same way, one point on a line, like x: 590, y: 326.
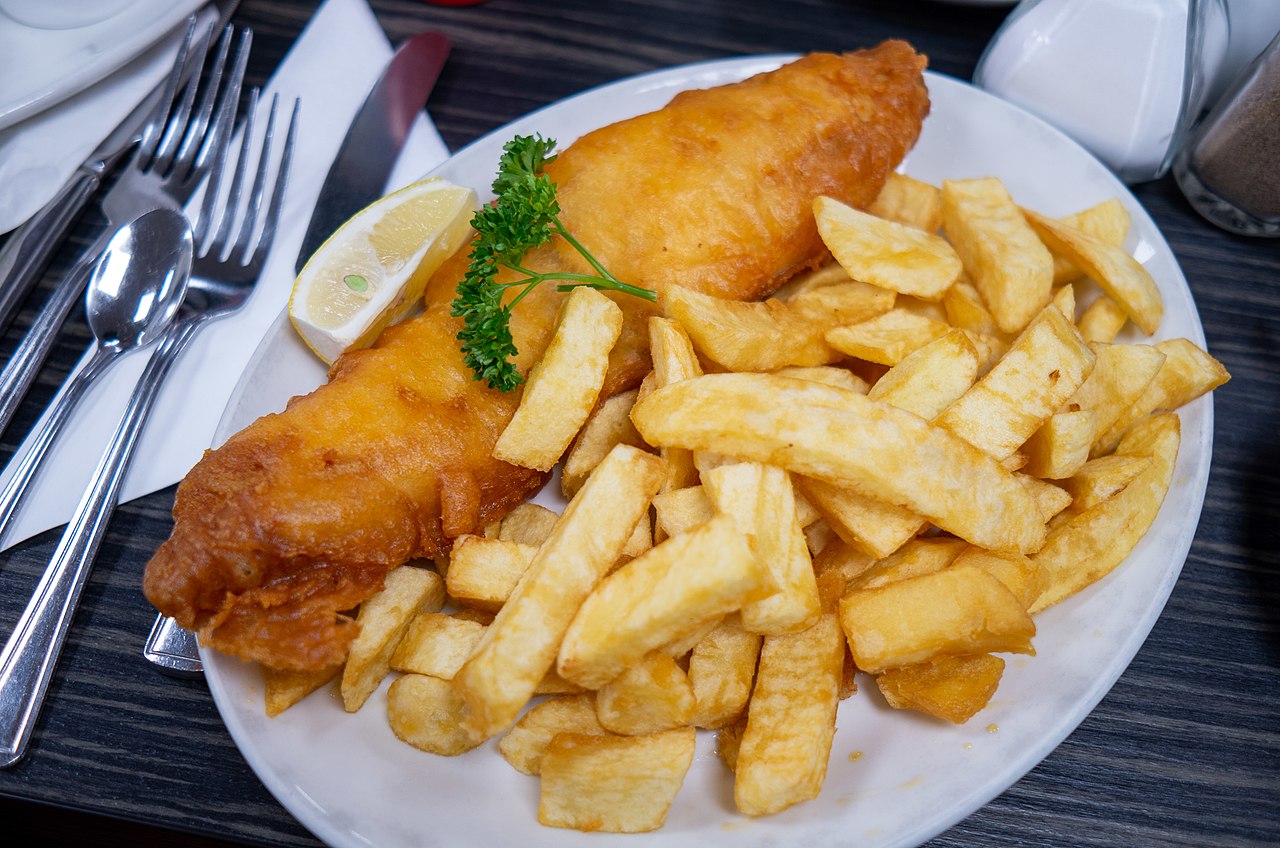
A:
x: 641, y: 539
x: 1120, y: 275
x: 1050, y: 499
x: 1102, y: 478
x: 746, y: 335
x: 966, y: 311
x: 909, y: 201
x: 483, y: 572
x: 651, y: 696
x: 1001, y: 254
x: 679, y: 510
x: 817, y: 536
x: 680, y: 647
x: 888, y: 338
x: 1043, y: 368
x: 1187, y: 373
x: 427, y: 713
x: 950, y: 688
x: 436, y: 645
x: 843, y: 303
x: 760, y: 501
x: 829, y: 374
x: 894, y: 256
x: 782, y: 759
x: 1089, y: 545
x: 520, y: 647
x: 1061, y: 445
x: 813, y: 279
x: 524, y: 744
x: 872, y: 526
x: 1121, y: 373
x: 1015, y: 571
x: 1107, y: 221
x: 673, y: 360
x: 554, y: 684
x: 383, y: 620
x: 609, y: 425
x: 721, y: 669
x: 842, y: 557
x: 729, y: 741
x: 564, y: 385
x: 954, y: 611
x: 847, y: 439
x: 1102, y: 321
x: 917, y: 557
x: 655, y: 599
x: 931, y: 378
x: 282, y: 688
x: 615, y: 784
x: 1065, y: 299
x: 531, y: 524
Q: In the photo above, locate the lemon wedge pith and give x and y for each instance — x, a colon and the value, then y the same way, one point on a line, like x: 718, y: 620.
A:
x: 374, y: 268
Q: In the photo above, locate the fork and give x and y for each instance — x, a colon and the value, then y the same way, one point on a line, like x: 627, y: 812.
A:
x: 231, y: 247
x: 172, y: 156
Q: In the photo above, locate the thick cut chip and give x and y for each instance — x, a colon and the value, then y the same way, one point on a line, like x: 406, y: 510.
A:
x: 1120, y: 275
x: 746, y: 335
x: 659, y: 597
x: 951, y: 688
x: 847, y: 439
x: 680, y: 647
x: 887, y: 339
x: 531, y: 524
x: 721, y: 669
x: 959, y: 610
x: 1044, y: 367
x: 1187, y: 373
x: 1102, y: 321
x: 817, y: 536
x: 1015, y: 571
x: 931, y: 378
x: 565, y: 384
x: 1007, y: 263
x: 436, y: 645
x: 1108, y: 221
x: 525, y: 743
x: 1089, y: 545
x: 615, y: 784
x: 844, y: 303
x: 909, y: 201
x: 1065, y: 299
x: 760, y: 500
x: 966, y: 311
x: 483, y: 572
x: 919, y: 556
x: 610, y: 425
x: 673, y: 360
x: 427, y: 713
x: 1121, y: 373
x: 831, y: 375
x: 1061, y: 445
x: 1102, y: 478
x: 846, y: 559
x: 872, y: 526
x: 383, y: 620
x: 894, y: 256
x: 729, y: 741
x: 283, y: 687
x: 782, y: 759
x: 651, y: 696
x: 680, y: 510
x: 1050, y: 499
x: 520, y: 647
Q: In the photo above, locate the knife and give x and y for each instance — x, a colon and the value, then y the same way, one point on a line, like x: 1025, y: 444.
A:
x: 357, y: 177
x: 27, y: 251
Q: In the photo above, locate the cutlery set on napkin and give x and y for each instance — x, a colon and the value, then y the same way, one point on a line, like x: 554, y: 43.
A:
x: 176, y: 130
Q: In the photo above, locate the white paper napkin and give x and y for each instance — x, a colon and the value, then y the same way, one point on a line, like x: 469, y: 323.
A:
x: 331, y: 67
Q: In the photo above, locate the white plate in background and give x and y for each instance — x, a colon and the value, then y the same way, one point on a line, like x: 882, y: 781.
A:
x: 895, y: 778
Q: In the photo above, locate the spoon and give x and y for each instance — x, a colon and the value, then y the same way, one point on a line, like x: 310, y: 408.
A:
x: 132, y: 296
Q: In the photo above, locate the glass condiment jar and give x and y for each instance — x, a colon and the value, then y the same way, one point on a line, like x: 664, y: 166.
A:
x: 1229, y: 168
x: 1122, y: 77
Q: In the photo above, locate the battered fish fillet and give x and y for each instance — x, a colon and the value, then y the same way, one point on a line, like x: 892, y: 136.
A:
x: 296, y: 520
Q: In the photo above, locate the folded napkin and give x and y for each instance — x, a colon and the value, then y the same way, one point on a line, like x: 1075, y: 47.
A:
x: 331, y: 68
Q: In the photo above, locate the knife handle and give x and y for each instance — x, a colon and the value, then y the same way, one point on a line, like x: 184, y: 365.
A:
x: 26, y: 253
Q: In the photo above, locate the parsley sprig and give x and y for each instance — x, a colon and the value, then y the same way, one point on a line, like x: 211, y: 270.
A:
x: 525, y: 216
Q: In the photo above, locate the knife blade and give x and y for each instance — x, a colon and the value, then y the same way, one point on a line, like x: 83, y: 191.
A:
x: 358, y: 175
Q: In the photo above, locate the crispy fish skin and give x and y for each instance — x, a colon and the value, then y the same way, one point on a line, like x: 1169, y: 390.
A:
x: 298, y: 518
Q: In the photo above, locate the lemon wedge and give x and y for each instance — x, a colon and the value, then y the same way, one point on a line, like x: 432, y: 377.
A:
x: 374, y: 268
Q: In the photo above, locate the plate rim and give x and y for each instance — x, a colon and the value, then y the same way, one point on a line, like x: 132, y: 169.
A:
x: 981, y: 793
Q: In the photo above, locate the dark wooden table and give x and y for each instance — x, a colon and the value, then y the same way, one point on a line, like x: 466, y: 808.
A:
x: 1185, y: 750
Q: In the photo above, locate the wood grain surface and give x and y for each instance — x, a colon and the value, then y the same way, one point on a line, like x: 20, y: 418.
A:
x: 1185, y: 750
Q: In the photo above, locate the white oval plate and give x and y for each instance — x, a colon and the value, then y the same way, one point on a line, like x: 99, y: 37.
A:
x: 895, y: 778
x: 44, y: 66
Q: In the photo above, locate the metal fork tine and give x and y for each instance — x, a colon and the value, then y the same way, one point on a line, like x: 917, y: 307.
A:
x: 219, y: 133
x: 154, y: 128
x: 221, y: 141
x: 177, y: 123
x: 277, y: 193
x: 194, y: 138
x: 222, y: 241
x: 250, y: 221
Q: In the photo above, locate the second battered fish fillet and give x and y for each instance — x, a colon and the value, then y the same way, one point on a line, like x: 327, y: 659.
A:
x: 297, y: 518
